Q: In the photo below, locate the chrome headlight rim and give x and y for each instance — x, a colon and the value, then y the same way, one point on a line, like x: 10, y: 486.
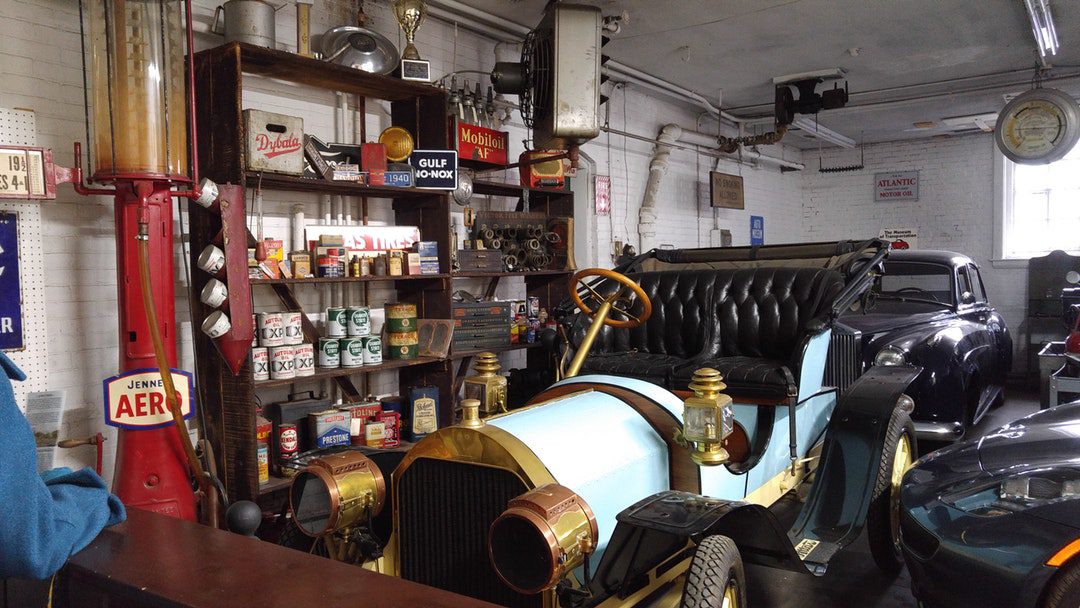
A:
x: 890, y: 356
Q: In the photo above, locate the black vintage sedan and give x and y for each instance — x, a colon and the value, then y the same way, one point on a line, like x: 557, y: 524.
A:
x: 996, y: 521
x: 929, y: 309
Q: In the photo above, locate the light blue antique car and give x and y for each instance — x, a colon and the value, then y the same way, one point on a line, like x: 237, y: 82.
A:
x: 647, y: 481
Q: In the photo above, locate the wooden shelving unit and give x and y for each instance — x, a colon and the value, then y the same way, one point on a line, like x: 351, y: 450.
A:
x: 229, y: 401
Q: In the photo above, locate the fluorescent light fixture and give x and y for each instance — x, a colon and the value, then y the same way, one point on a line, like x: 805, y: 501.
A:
x: 812, y: 127
x: 1042, y: 27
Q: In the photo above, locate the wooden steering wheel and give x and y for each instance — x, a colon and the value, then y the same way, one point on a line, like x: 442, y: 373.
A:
x: 608, y: 303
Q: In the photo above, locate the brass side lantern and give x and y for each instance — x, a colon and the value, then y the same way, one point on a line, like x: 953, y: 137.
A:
x: 708, y: 418
x: 410, y: 14
x: 487, y: 386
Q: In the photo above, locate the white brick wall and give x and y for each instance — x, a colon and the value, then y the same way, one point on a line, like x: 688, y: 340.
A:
x: 954, y: 211
x: 40, y: 70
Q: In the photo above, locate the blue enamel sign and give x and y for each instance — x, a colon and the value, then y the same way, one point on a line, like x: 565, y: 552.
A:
x: 11, y: 330
x: 757, y: 230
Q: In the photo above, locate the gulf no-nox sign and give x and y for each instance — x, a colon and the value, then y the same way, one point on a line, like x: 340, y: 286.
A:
x: 435, y: 169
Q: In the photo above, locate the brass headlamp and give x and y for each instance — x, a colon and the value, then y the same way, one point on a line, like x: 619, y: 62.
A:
x: 488, y: 386
x: 540, y: 537
x: 708, y: 418
x: 337, y: 492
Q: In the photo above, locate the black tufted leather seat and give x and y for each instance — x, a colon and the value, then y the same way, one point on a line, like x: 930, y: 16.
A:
x: 750, y: 324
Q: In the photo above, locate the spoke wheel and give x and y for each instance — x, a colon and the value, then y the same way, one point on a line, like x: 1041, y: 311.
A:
x: 883, y: 518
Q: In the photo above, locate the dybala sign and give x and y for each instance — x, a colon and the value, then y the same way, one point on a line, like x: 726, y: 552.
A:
x: 136, y: 399
x: 435, y: 169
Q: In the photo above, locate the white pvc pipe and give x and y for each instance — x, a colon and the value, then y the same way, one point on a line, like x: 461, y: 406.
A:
x: 297, y: 225
x: 658, y: 167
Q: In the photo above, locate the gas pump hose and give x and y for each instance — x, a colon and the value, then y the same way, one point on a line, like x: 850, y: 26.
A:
x: 150, y: 310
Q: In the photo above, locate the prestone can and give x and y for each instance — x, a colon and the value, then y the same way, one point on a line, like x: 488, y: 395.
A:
x: 329, y: 428
x: 352, y: 352
x: 294, y: 327
x: 288, y: 440
x: 271, y: 329
x: 335, y: 322
x: 372, y: 350
x: 304, y: 358
x: 403, y: 345
x: 282, y: 362
x: 260, y: 363
x: 359, y: 320
x: 401, y: 318
x: 329, y: 352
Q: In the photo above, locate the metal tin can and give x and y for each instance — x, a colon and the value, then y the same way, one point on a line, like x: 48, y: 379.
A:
x: 255, y: 332
x: 392, y: 428
x: 282, y: 362
x: 326, y: 266
x: 335, y: 322
x: 532, y: 306
x: 400, y: 317
x: 271, y: 329
x: 375, y: 434
x: 372, y: 350
x: 264, y: 464
x: 359, y: 320
x: 352, y: 352
x: 288, y: 440
x: 329, y: 352
x: 260, y: 363
x: 304, y: 357
x: 403, y: 345
x: 294, y: 327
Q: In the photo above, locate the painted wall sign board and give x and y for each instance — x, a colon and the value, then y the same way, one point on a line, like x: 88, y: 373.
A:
x: 726, y: 191
x: 901, y: 238
x: 603, y: 194
x: 435, y: 169
x: 136, y: 399
x: 11, y: 326
x: 757, y: 230
x: 896, y: 186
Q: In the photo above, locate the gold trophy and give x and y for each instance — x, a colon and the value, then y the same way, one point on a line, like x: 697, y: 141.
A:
x: 410, y: 14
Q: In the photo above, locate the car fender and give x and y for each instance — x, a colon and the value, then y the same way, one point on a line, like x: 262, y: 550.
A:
x: 832, y: 517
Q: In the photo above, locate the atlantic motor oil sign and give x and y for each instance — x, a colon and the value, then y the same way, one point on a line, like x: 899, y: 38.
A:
x: 136, y: 399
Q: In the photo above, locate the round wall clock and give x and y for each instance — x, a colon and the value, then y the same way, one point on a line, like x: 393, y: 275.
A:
x: 1038, y: 127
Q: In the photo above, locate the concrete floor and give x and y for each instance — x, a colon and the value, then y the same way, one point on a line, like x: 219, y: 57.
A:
x: 852, y: 579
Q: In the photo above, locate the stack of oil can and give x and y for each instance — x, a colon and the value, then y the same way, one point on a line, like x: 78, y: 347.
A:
x: 349, y: 341
x: 401, y: 331
x: 279, y: 351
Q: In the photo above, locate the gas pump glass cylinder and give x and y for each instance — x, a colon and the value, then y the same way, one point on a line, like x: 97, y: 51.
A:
x: 138, y: 89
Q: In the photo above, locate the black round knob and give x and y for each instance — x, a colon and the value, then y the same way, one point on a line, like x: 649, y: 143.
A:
x: 243, y: 517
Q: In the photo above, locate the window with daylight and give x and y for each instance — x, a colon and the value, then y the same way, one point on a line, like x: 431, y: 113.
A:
x: 1041, y: 207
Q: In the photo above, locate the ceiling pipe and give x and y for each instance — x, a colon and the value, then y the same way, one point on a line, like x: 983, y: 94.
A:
x: 705, y: 145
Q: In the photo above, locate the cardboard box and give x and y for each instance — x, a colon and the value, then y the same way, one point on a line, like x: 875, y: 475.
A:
x: 427, y: 249
x: 301, y: 264
x: 273, y: 142
x: 413, y: 263
x: 274, y: 250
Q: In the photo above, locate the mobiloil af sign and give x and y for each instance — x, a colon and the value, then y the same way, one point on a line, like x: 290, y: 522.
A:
x: 136, y: 399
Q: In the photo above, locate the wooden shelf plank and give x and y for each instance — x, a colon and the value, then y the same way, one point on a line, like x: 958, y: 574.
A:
x: 273, y: 181
x: 364, y: 279
x: 529, y: 273
x: 323, y: 373
x: 487, y: 188
x: 291, y: 67
x: 495, y: 349
x: 275, y: 484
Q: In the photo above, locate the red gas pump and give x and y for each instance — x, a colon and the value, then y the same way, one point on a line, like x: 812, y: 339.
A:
x: 143, y: 121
